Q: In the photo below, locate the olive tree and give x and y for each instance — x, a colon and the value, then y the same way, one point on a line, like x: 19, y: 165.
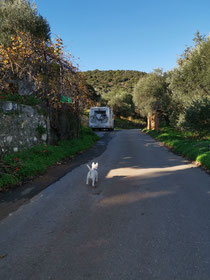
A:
x: 197, y: 116
x: 20, y: 16
x: 190, y: 81
x: 150, y: 97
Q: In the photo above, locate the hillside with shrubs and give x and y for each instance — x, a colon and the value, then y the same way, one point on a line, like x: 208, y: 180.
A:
x: 105, y: 81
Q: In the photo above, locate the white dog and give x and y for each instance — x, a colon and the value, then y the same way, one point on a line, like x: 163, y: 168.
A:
x: 92, y: 174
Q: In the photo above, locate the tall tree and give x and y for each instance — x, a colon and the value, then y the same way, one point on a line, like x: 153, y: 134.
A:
x: 20, y: 16
x: 190, y: 81
x: 150, y: 96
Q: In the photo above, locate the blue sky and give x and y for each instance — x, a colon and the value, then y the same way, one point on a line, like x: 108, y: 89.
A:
x: 126, y: 35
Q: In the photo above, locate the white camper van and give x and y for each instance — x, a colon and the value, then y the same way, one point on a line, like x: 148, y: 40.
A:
x: 101, y: 118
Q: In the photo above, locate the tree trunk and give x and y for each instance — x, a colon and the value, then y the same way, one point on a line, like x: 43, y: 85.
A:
x: 155, y: 122
x: 149, y: 122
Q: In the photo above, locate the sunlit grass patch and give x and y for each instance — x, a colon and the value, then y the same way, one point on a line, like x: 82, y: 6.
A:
x: 186, y: 143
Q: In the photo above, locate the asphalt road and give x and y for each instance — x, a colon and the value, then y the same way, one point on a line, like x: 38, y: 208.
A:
x: 148, y: 218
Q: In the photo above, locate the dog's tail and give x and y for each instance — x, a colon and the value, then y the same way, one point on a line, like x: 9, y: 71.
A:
x: 88, y: 166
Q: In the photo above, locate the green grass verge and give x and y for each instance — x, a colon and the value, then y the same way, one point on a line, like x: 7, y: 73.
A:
x: 15, y: 168
x: 185, y: 143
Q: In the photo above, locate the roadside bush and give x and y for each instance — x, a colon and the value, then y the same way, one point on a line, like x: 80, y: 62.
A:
x: 197, y: 116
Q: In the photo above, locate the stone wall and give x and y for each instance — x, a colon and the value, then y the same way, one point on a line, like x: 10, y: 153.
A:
x: 21, y: 126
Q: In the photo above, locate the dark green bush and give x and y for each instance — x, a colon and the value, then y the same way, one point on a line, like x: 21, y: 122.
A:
x: 197, y: 116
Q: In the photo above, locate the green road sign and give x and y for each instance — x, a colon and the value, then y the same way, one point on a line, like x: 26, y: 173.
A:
x: 65, y: 99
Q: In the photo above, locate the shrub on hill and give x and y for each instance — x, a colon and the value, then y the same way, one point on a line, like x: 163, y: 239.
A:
x: 105, y: 81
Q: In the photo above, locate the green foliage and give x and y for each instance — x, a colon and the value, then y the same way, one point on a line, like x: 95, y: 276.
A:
x: 31, y: 162
x: 197, y: 116
x: 7, y: 180
x: 41, y: 129
x: 105, y: 81
x: 30, y: 100
x: 185, y: 143
x: 150, y: 93
x: 20, y: 16
x: 190, y: 80
x: 120, y: 101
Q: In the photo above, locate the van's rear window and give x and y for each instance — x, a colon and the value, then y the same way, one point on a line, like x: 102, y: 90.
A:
x: 100, y: 112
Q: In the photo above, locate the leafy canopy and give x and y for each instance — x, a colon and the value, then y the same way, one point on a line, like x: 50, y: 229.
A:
x: 197, y: 116
x: 20, y: 16
x: 150, y: 93
x: 120, y: 101
x: 189, y: 83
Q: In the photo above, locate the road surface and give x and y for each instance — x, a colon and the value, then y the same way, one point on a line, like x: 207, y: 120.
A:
x: 148, y: 218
